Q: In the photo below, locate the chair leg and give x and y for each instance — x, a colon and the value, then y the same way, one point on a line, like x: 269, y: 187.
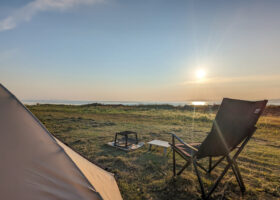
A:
x: 136, y: 138
x: 215, y: 165
x: 231, y: 163
x: 184, y: 167
x: 174, y: 161
x: 219, y: 180
x: 210, y: 164
x: 201, y: 167
x: 115, y: 143
x: 199, y: 180
x: 239, y: 177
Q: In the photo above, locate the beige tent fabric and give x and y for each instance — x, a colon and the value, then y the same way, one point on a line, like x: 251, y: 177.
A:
x: 102, y: 181
x: 34, y: 166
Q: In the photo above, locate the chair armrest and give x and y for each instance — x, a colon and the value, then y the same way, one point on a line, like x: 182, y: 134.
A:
x: 182, y: 142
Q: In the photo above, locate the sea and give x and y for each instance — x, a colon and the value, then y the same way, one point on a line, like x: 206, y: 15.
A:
x: 131, y: 103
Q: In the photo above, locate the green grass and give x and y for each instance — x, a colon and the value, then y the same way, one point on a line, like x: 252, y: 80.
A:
x: 142, y: 174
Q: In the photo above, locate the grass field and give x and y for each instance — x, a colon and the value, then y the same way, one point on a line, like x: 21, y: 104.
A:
x: 144, y: 174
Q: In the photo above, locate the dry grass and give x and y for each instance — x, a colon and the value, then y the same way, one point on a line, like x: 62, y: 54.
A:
x: 148, y: 175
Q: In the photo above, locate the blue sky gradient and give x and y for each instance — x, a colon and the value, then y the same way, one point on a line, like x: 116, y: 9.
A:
x: 144, y: 50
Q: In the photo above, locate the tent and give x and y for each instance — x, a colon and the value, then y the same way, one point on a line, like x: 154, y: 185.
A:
x: 36, y: 165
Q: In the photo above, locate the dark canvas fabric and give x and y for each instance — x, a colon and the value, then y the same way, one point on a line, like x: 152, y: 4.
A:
x: 235, y: 120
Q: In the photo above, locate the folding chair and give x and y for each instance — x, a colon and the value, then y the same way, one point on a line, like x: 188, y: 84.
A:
x: 234, y: 125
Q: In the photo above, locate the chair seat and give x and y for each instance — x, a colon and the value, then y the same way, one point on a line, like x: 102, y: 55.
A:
x: 187, y: 150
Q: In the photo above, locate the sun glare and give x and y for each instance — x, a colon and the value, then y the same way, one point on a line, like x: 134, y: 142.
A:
x: 198, y: 103
x: 200, y: 74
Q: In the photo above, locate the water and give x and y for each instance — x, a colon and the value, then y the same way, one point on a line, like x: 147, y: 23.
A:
x: 132, y: 103
x: 129, y: 103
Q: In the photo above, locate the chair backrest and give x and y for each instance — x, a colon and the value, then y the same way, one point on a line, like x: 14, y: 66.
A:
x: 235, y: 121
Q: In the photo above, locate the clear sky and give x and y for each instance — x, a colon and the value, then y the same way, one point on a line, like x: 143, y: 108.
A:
x: 141, y: 50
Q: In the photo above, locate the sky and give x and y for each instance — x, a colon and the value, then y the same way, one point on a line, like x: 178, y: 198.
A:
x: 148, y: 50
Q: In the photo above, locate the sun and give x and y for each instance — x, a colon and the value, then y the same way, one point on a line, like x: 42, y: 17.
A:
x: 200, y: 74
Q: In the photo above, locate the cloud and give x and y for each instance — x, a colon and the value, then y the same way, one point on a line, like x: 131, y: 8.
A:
x: 243, y: 79
x: 25, y: 13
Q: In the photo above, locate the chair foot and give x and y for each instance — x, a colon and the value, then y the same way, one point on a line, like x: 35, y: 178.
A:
x: 204, y: 197
x: 243, y: 190
x: 174, y: 179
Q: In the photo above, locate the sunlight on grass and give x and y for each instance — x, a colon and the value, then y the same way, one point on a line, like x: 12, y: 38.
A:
x: 143, y: 174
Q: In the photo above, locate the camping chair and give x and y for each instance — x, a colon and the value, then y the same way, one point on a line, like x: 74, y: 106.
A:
x: 234, y: 125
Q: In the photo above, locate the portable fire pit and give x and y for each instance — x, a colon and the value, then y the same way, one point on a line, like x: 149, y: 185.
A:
x: 125, y: 140
x: 128, y: 141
